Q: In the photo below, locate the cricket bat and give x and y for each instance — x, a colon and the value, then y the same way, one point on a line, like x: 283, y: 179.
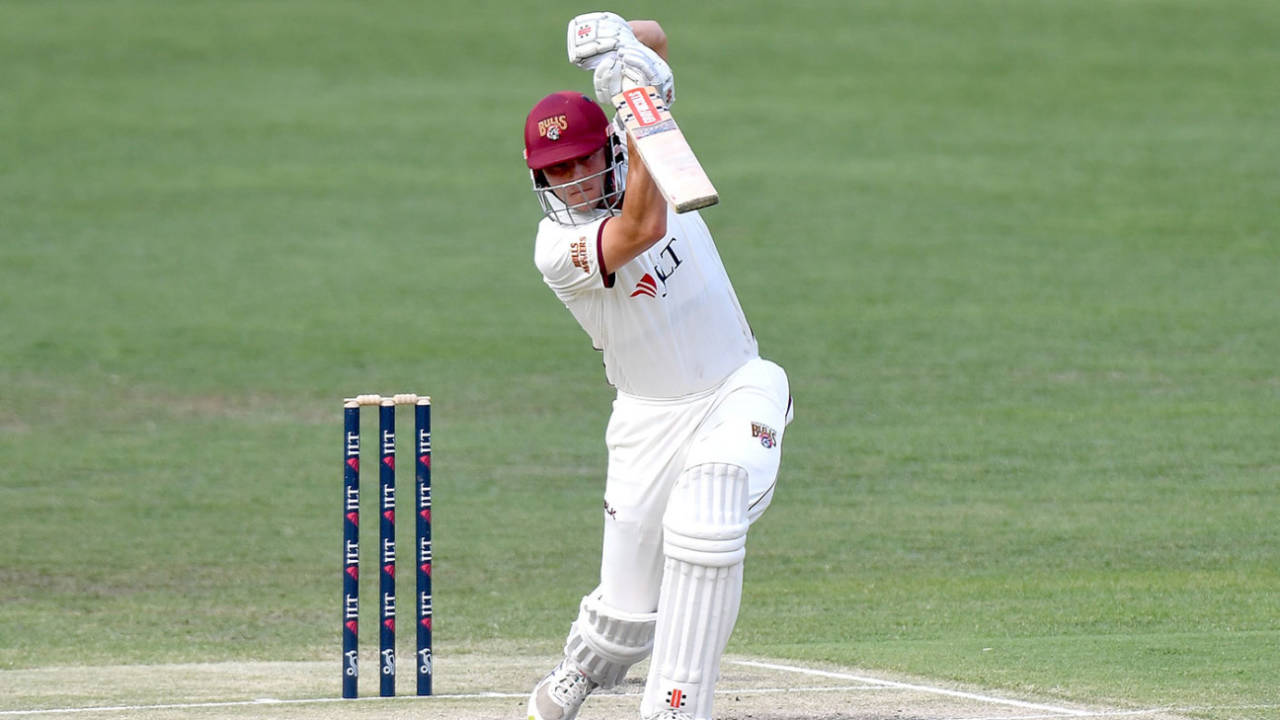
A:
x: 665, y: 152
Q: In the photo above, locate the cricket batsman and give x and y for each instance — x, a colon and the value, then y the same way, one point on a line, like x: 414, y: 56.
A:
x: 695, y: 436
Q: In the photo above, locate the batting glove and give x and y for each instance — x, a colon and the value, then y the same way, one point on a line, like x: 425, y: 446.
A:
x: 592, y: 35
x: 633, y: 65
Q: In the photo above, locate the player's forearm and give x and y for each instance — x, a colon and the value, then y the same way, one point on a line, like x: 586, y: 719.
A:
x: 643, y: 221
x: 651, y: 34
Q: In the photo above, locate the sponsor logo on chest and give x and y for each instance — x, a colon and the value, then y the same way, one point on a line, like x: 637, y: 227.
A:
x: 664, y: 266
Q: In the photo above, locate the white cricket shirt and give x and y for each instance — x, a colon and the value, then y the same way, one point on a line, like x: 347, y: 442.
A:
x: 668, y: 322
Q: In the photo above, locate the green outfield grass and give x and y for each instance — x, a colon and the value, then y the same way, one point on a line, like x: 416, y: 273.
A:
x: 1021, y: 260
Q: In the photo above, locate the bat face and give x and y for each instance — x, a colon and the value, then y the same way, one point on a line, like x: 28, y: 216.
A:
x: 665, y: 151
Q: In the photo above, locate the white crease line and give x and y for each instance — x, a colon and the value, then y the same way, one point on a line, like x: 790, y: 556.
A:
x: 1130, y: 713
x: 178, y: 706
x: 456, y: 696
x: 868, y: 683
x: 1146, y: 711
x: 918, y: 688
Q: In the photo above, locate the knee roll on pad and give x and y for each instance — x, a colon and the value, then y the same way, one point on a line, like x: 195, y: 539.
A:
x: 605, y: 642
x: 706, y: 519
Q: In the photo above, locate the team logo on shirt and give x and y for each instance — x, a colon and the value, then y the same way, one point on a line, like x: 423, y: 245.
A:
x: 768, y: 436
x: 578, y: 254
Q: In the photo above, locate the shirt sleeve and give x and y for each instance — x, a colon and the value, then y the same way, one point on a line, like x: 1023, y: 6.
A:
x: 570, y: 258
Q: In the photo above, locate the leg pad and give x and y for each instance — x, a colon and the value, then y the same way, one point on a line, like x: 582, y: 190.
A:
x: 705, y: 541
x: 605, y: 641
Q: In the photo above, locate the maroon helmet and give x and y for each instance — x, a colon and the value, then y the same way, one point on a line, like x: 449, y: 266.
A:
x: 567, y: 125
x: 563, y: 126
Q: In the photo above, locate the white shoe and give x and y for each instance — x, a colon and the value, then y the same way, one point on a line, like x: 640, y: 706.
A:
x: 559, y: 695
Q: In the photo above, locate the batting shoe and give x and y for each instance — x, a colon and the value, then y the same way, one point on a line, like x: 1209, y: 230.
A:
x: 560, y: 694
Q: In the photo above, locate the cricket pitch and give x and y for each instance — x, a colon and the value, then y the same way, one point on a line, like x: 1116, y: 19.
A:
x: 493, y: 685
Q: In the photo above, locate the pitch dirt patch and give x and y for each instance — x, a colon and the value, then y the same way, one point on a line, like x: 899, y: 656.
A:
x: 486, y: 686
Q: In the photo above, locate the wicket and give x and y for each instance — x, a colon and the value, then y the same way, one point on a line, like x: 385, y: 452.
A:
x: 387, y: 537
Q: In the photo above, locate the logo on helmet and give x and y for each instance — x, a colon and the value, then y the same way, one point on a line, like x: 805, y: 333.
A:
x: 551, y: 127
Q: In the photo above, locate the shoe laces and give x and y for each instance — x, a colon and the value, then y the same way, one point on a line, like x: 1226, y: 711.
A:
x: 572, y: 687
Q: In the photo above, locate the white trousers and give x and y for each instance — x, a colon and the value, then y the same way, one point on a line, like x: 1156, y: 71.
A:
x: 651, y: 442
